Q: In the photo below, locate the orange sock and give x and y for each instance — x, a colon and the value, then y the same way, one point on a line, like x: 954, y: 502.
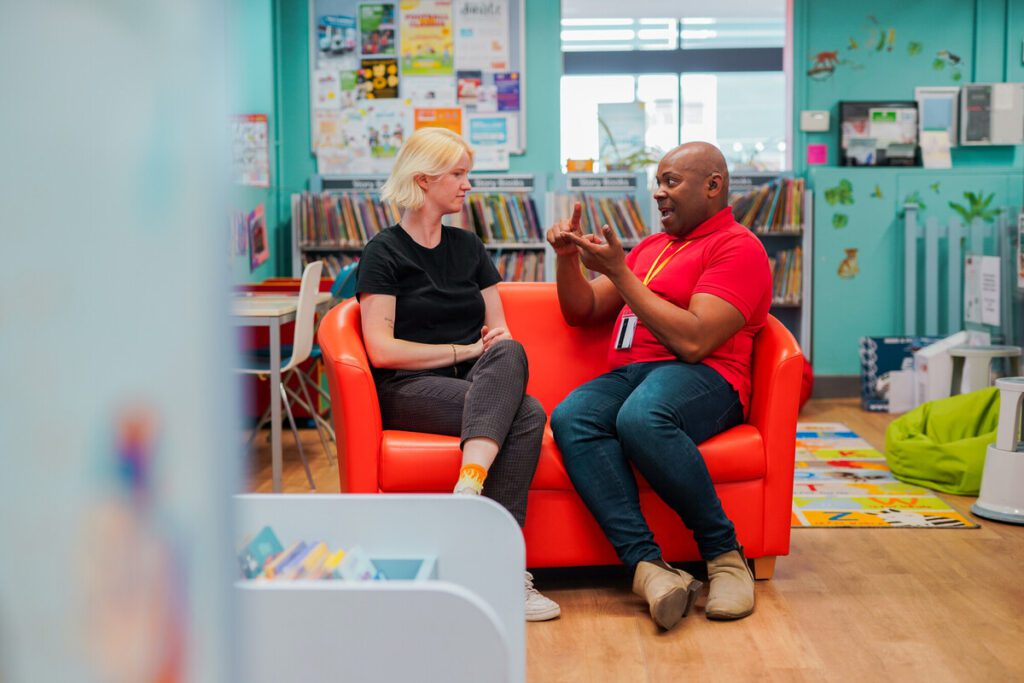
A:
x: 471, y: 480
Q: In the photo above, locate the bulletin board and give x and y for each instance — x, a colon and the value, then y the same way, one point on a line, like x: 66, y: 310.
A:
x: 380, y: 70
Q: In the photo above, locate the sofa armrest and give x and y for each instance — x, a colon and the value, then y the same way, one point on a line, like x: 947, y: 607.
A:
x: 774, y: 406
x: 356, y: 411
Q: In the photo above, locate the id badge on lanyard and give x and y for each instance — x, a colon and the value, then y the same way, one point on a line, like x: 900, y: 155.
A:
x: 624, y: 335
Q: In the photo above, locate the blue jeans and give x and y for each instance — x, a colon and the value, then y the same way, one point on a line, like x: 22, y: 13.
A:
x: 652, y: 415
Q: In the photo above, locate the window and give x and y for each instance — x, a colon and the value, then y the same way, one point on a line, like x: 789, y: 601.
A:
x: 712, y: 78
x: 744, y: 114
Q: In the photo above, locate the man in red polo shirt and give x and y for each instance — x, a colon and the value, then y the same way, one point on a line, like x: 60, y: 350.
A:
x: 688, y: 301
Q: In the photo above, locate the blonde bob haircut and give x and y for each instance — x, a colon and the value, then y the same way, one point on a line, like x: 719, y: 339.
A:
x: 428, y: 152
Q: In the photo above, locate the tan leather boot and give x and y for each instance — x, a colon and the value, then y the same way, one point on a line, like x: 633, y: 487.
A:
x: 669, y: 592
x: 731, y: 595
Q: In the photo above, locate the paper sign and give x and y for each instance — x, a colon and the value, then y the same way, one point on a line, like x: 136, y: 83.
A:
x: 935, y: 151
x: 1020, y: 251
x: 259, y: 244
x: 491, y: 129
x: 425, y: 34
x: 250, y: 150
x: 439, y: 117
x: 429, y: 91
x: 990, y: 298
x: 482, y: 35
x: 817, y: 154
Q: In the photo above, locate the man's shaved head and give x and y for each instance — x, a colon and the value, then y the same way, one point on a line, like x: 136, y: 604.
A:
x: 693, y: 185
x: 706, y: 159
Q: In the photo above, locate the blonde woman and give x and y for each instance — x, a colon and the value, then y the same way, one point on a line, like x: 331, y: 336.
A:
x: 435, y: 332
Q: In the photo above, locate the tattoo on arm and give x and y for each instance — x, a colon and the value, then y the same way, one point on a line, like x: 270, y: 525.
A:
x: 390, y: 322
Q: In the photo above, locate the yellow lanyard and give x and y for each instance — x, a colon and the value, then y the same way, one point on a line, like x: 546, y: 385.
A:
x: 659, y: 265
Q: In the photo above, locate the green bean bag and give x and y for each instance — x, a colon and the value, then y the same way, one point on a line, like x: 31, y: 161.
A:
x: 941, y: 444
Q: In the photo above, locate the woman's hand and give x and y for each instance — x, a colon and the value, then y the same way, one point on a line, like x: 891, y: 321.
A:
x: 488, y: 336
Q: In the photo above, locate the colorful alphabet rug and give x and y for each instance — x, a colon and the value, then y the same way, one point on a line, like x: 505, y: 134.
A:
x: 841, y: 481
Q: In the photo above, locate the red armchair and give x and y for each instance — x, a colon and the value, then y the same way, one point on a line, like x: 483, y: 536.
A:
x: 751, y: 465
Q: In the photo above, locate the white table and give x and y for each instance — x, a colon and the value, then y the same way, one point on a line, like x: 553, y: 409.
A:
x: 272, y: 311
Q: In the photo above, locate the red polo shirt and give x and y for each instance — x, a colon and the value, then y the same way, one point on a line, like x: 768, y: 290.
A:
x: 722, y: 258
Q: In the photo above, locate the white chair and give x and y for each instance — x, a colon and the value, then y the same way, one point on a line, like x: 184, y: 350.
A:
x: 258, y: 363
x: 343, y: 288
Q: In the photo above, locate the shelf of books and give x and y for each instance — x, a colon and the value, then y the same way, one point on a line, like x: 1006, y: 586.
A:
x: 334, y: 220
x: 778, y: 210
x: 620, y: 200
x: 502, y: 211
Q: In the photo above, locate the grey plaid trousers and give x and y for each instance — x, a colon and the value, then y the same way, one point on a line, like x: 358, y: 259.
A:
x: 490, y: 401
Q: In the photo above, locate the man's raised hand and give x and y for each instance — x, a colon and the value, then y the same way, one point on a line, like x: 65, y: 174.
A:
x: 560, y: 234
x: 604, y: 257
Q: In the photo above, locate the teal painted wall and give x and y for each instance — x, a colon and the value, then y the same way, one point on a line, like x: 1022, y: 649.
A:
x: 297, y: 164
x: 986, y: 35
x: 251, y: 65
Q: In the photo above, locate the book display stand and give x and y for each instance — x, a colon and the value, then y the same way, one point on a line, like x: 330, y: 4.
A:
x: 466, y: 624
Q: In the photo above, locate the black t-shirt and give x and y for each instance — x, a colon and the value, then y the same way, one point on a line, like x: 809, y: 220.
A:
x: 437, y: 291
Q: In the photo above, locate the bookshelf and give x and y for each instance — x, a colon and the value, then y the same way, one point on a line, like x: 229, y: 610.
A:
x: 779, y: 210
x: 502, y: 210
x: 339, y: 214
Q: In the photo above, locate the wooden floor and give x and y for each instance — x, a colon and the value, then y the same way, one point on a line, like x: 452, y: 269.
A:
x: 845, y: 605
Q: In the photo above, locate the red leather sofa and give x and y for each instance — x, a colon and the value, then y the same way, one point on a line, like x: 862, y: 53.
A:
x: 751, y: 465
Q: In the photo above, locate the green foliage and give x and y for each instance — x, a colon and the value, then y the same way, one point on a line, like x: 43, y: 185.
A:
x: 938, y: 64
x: 840, y: 194
x: 977, y: 207
x: 840, y: 220
x: 638, y: 160
x: 913, y: 198
x: 914, y: 48
x: 634, y: 161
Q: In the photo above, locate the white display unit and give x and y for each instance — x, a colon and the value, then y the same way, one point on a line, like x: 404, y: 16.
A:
x: 468, y: 625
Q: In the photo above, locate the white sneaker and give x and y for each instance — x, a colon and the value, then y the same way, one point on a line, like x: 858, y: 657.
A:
x: 538, y: 607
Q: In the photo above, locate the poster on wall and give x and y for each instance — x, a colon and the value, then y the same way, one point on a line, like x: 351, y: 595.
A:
x: 336, y: 41
x: 378, y: 79
x: 972, y: 289
x: 492, y: 136
x: 250, y: 150
x: 467, y: 86
x: 425, y: 36
x: 482, y: 35
x: 377, y: 29
x: 342, y: 142
x: 259, y: 245
x: 239, y: 233
x: 327, y: 89
x: 491, y: 129
x: 388, y: 123
x: 1020, y: 251
x: 990, y: 290
x: 429, y: 91
x: 439, y: 117
x: 506, y: 86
